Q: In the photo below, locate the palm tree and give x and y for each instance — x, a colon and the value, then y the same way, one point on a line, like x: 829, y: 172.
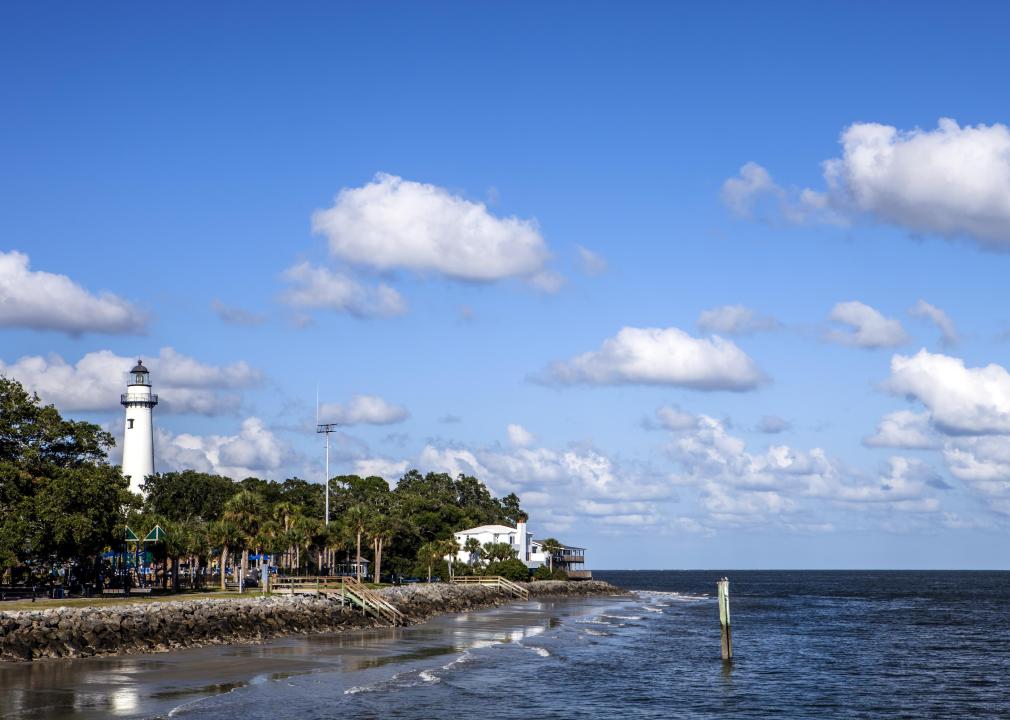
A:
x: 499, y: 552
x: 473, y: 547
x: 336, y: 537
x: 320, y: 537
x: 269, y: 540
x: 300, y: 537
x: 381, y: 527
x: 198, y: 548
x: 284, y: 513
x: 247, y: 511
x: 223, y: 534
x: 550, y: 547
x: 357, y: 518
x: 179, y: 540
x: 294, y: 538
x: 429, y: 554
x: 450, y: 548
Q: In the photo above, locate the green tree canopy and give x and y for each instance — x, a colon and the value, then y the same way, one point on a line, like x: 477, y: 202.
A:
x: 60, y: 501
x: 188, y: 495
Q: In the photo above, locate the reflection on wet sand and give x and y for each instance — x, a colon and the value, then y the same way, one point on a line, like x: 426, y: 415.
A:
x: 140, y: 686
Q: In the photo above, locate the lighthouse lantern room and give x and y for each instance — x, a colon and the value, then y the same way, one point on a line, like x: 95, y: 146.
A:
x: 138, y: 434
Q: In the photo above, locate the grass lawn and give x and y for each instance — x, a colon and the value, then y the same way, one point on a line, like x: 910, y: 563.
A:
x: 111, y: 600
x: 108, y: 601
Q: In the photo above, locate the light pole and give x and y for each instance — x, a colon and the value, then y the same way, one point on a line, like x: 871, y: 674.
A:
x: 326, y: 429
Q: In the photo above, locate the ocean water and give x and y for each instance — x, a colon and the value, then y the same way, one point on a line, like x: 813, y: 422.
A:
x: 806, y: 645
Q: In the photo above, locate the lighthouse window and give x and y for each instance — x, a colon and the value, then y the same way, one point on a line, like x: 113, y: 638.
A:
x: 129, y: 423
x: 140, y: 379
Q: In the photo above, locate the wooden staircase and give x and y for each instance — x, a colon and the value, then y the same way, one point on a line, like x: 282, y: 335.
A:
x: 497, y: 581
x: 351, y: 592
x: 371, y: 602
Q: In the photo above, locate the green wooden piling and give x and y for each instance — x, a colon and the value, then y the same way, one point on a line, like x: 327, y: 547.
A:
x: 724, y: 624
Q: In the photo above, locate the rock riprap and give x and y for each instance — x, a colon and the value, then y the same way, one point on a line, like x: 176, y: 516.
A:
x: 161, y: 626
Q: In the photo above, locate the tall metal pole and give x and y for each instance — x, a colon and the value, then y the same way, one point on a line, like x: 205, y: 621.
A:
x: 327, y: 520
x: 326, y: 429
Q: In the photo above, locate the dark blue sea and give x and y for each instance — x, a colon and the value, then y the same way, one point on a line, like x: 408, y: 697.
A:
x: 806, y: 645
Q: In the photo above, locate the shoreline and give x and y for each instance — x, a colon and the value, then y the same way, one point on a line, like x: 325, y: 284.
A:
x: 77, y: 632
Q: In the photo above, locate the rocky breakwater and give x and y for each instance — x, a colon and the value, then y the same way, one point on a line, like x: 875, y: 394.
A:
x: 160, y: 626
x: 421, y: 601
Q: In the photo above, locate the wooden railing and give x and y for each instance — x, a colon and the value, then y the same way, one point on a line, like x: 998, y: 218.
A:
x: 306, y: 584
x: 371, y: 601
x: 494, y: 581
x: 570, y: 558
x: 351, y: 591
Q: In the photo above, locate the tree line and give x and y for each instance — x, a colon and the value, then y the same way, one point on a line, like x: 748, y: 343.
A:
x: 62, y: 505
x: 397, y: 529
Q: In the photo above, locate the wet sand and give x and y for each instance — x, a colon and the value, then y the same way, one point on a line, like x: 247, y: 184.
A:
x: 152, y: 686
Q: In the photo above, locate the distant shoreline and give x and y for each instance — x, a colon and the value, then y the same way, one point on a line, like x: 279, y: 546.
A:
x: 73, y: 632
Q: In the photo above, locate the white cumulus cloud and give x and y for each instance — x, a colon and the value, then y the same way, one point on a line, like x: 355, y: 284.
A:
x: 961, y: 400
x: 393, y: 223
x: 734, y: 320
x: 904, y: 429
x: 254, y: 451
x: 869, y: 328
x: 549, y: 479
x: 661, y: 356
x: 739, y: 487
x: 983, y: 464
x: 95, y: 382
x: 380, y: 467
x: 320, y: 288
x: 364, y: 410
x: 47, y: 301
x: 952, y: 181
x: 748, y: 195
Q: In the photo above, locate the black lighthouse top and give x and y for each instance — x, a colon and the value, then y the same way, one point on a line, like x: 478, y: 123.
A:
x: 139, y: 374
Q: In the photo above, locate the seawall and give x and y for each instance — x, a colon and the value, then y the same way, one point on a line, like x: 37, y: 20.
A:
x: 162, y: 626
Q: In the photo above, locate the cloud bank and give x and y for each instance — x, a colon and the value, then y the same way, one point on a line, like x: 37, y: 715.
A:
x: 254, y: 451
x: 45, y: 301
x: 95, y: 382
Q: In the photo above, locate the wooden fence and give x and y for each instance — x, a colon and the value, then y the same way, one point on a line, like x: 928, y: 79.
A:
x: 494, y: 581
x: 350, y: 590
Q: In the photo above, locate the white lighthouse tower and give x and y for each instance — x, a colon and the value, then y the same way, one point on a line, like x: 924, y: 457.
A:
x: 138, y: 436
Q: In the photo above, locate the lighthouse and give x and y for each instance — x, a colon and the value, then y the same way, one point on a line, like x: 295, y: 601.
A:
x: 138, y: 435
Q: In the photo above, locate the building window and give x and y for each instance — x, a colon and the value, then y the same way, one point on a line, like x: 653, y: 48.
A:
x: 129, y: 423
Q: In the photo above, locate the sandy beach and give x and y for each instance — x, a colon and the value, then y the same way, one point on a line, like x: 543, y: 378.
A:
x: 156, y: 685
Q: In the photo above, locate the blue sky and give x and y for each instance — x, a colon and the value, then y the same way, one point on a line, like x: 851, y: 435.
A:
x: 536, y: 206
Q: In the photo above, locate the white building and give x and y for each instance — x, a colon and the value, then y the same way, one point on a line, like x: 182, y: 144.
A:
x: 527, y: 548
x: 138, y: 433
